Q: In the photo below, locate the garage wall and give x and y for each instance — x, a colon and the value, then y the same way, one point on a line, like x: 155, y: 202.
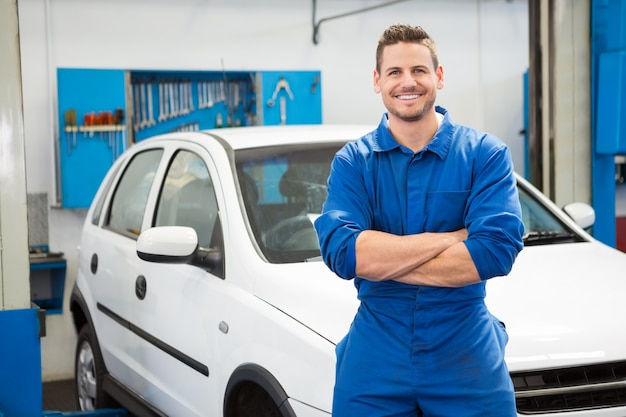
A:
x: 483, y: 47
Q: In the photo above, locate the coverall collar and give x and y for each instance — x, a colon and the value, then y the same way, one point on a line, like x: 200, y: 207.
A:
x: 439, y: 145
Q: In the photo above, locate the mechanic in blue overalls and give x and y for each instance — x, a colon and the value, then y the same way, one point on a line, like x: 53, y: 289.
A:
x: 420, y: 213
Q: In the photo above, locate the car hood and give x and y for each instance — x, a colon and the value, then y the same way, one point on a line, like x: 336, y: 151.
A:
x: 311, y: 294
x: 563, y: 305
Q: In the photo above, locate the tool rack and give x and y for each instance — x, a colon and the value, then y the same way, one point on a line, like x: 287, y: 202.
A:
x: 103, y: 112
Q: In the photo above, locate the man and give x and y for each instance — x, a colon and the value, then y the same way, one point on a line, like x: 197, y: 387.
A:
x: 420, y: 213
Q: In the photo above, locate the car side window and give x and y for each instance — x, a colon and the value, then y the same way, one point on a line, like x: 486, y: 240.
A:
x: 187, y: 198
x: 131, y: 194
x: 97, y: 212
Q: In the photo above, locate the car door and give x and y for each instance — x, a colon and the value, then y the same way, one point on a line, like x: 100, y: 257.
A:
x: 109, y: 251
x: 176, y: 307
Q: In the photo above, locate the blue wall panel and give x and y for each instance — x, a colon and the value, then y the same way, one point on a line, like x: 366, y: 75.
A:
x: 85, y: 158
x: 304, y: 106
x: 20, y: 363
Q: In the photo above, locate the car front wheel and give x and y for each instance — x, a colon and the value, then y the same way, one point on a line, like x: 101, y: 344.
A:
x: 251, y: 400
x: 89, y: 373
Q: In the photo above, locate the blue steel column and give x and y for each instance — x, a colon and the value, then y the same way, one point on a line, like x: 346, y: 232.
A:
x: 608, y: 69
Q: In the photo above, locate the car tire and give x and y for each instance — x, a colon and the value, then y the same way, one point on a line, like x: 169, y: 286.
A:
x: 89, y: 373
x: 252, y: 401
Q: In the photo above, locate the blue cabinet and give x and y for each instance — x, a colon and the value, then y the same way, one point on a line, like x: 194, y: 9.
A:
x: 47, y: 281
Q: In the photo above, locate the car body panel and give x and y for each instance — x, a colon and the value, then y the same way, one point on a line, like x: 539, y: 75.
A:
x: 562, y: 305
x: 302, y: 292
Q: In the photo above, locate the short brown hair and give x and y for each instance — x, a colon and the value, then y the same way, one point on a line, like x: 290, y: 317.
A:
x: 405, y: 33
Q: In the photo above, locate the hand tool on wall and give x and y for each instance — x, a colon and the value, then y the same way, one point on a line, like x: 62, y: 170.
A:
x: 243, y: 89
x: 173, y: 111
x: 162, y: 116
x: 144, y: 119
x: 70, y: 125
x: 316, y: 81
x: 188, y: 127
x: 190, y: 105
x: 283, y: 111
x: 96, y: 122
x: 222, y: 92
x: 106, y: 121
x: 210, y: 93
x: 118, y: 121
x: 166, y: 100
x: 235, y: 94
x: 282, y: 84
x: 136, y: 109
x: 89, y: 120
x: 200, y: 90
x: 187, y: 97
x: 182, y: 110
x: 150, y: 121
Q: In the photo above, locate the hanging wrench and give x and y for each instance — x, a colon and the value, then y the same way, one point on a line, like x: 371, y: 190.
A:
x: 161, y: 103
x: 136, y: 109
x: 283, y: 111
x: 210, y: 92
x: 173, y: 110
x: 182, y: 98
x: 222, y: 92
x: 150, y: 121
x: 199, y: 88
x: 280, y: 85
x: 190, y: 106
x: 144, y: 119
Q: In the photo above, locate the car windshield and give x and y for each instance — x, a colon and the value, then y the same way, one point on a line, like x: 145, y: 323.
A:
x: 283, y: 189
x: 542, y: 227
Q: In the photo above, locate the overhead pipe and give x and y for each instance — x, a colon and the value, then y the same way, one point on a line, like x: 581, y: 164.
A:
x: 316, y: 25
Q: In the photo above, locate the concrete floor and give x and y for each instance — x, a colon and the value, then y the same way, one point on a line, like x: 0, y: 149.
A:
x: 59, y: 396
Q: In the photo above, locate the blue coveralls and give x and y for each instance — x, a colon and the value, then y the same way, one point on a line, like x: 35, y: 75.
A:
x: 417, y: 350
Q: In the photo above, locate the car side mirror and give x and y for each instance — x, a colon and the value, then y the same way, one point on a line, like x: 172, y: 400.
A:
x: 582, y: 213
x: 167, y: 244
x: 178, y: 245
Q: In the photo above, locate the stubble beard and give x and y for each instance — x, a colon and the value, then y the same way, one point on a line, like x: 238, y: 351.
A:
x: 412, y: 114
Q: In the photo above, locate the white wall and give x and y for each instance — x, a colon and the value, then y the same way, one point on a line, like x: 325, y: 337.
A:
x: 483, y: 46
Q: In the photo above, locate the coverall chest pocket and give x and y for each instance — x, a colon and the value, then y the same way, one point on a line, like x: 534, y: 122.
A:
x: 445, y: 210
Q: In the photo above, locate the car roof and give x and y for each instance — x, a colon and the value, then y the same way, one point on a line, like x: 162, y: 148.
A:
x: 239, y: 138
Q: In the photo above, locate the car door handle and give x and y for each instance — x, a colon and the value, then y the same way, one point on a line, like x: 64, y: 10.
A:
x: 94, y: 263
x: 141, y: 286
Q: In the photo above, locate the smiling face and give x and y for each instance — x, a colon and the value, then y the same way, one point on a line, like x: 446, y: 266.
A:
x: 408, y: 81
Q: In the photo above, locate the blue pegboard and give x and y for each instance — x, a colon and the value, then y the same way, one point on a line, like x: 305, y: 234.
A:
x: 86, y: 156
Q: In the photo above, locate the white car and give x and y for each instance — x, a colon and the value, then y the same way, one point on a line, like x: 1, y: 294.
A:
x: 200, y: 289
